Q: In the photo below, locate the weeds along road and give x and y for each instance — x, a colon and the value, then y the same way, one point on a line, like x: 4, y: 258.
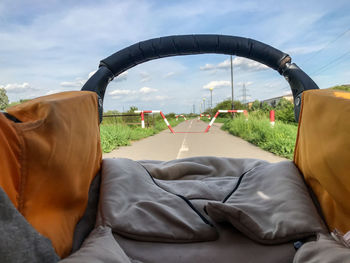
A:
x: 191, y: 141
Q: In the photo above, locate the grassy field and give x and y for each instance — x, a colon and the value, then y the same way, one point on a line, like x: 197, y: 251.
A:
x: 115, y: 135
x: 279, y: 139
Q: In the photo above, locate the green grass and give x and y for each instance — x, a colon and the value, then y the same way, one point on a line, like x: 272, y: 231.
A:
x: 279, y: 139
x: 116, y: 135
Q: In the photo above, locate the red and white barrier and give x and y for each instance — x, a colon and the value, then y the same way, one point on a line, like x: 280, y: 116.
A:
x: 177, y: 117
x: 225, y: 111
x: 205, y: 115
x: 142, y: 113
x: 272, y: 117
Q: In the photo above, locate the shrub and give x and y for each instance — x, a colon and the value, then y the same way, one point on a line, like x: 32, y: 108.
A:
x: 279, y: 139
x: 285, y: 111
x: 116, y: 135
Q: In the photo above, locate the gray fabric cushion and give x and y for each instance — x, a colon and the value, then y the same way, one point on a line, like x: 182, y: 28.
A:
x: 231, y: 247
x: 135, y: 207
x: 209, y: 178
x: 19, y: 241
x: 198, y: 168
x: 325, y: 249
x: 99, y: 247
x: 87, y: 222
x: 271, y: 205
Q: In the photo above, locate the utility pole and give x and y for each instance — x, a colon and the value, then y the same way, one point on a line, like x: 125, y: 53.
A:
x: 203, y: 104
x: 244, y: 94
x: 232, y: 106
x: 194, y: 109
x: 211, y: 99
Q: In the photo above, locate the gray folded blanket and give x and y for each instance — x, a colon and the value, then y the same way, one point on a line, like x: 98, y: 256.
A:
x: 163, y: 201
x: 192, y: 201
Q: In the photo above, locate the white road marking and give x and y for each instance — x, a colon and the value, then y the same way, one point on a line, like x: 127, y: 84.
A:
x: 184, y: 146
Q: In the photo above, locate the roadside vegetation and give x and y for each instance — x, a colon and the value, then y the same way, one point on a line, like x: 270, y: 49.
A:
x: 116, y: 132
x: 278, y: 139
x: 341, y: 87
x: 4, y: 100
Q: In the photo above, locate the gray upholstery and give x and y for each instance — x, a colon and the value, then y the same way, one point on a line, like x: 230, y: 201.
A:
x: 153, y: 211
x: 19, y: 241
x: 87, y: 223
x: 140, y: 202
x: 325, y: 249
x: 271, y: 205
x: 99, y: 247
x: 230, y: 247
x: 135, y: 207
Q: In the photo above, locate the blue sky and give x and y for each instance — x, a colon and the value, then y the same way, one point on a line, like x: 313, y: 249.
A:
x: 53, y: 46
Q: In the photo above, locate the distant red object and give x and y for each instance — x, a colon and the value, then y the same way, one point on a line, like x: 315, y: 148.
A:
x: 272, y: 117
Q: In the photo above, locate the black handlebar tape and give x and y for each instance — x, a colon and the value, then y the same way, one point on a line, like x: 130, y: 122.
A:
x: 191, y: 45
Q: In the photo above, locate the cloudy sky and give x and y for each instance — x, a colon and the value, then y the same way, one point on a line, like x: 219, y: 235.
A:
x: 53, y: 46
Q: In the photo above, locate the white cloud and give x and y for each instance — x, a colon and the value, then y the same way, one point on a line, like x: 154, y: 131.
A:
x: 160, y: 97
x: 17, y: 88
x: 78, y: 83
x: 121, y: 77
x: 287, y: 92
x: 301, y: 50
x: 216, y: 84
x: 145, y: 77
x: 146, y: 90
x: 168, y: 75
x: 156, y: 98
x: 237, y: 63
x: 248, y: 83
x: 143, y: 94
x: 116, y: 94
x: 122, y: 92
x: 208, y: 67
x: 91, y: 73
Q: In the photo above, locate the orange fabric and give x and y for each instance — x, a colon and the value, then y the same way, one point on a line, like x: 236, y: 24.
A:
x: 60, y: 155
x: 322, y: 152
x: 9, y: 159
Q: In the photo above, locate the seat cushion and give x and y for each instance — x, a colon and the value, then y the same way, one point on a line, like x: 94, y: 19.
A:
x: 99, y: 247
x: 156, y: 209
x: 271, y: 205
x: 325, y: 249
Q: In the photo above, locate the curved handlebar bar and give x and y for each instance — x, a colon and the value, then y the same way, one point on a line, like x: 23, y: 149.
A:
x: 138, y: 53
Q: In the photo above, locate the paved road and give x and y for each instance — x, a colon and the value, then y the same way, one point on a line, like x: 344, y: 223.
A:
x: 167, y: 146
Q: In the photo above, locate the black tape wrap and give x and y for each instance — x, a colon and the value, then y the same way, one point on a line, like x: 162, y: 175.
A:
x: 191, y: 45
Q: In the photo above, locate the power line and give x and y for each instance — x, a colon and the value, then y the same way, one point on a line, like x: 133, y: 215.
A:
x: 325, y: 46
x: 244, y: 94
x: 330, y: 63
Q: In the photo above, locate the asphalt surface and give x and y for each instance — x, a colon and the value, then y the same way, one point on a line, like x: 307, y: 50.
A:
x: 190, y: 140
